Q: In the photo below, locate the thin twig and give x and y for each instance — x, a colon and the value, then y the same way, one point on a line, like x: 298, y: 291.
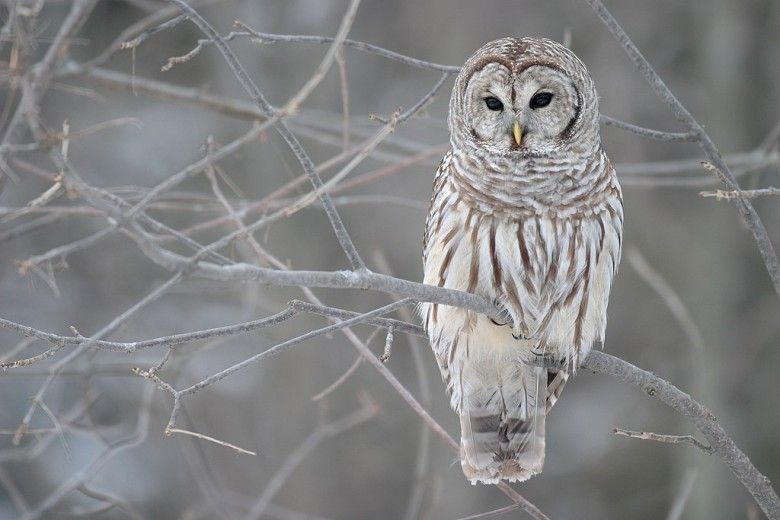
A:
x: 385, y: 357
x: 344, y: 83
x: 201, y: 436
x: 131, y: 347
x: 85, y: 344
x: 265, y: 38
x: 646, y: 132
x: 671, y: 439
x: 135, y: 42
x: 491, y: 514
x: 286, y: 345
x: 749, y: 194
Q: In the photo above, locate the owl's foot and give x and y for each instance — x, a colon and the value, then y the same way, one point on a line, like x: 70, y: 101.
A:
x: 521, y: 332
x: 503, y: 318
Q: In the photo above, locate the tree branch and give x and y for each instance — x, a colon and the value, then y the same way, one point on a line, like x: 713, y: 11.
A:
x: 722, y: 445
x: 749, y: 215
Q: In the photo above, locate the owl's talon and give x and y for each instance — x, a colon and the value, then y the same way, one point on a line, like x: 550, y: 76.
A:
x: 504, y: 315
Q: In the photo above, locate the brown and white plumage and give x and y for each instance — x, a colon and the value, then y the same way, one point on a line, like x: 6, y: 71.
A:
x: 533, y: 225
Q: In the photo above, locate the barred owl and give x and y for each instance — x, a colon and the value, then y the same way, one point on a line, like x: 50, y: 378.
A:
x: 527, y: 212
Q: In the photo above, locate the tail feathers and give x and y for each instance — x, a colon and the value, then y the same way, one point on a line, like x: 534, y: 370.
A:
x: 502, y: 429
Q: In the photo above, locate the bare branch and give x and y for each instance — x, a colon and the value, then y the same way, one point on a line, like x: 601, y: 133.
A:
x: 344, y: 82
x: 237, y: 449
x: 17, y: 498
x: 43, y: 73
x: 749, y: 215
x: 722, y: 445
x: 366, y: 280
x: 60, y: 253
x: 133, y: 346
x: 265, y: 38
x: 749, y: 194
x: 678, y: 309
x: 109, y: 328
x: 646, y: 132
x: 281, y: 347
x: 671, y: 439
x: 135, y: 34
x: 135, y: 42
x: 328, y: 186
x: 491, y: 514
x: 385, y: 357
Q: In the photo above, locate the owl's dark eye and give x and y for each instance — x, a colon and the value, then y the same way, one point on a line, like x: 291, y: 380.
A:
x: 494, y: 103
x: 542, y: 99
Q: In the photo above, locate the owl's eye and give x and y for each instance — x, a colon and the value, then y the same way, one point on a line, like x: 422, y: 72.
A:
x: 494, y: 103
x: 542, y: 99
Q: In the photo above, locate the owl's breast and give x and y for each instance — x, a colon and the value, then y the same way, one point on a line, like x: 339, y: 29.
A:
x: 552, y: 275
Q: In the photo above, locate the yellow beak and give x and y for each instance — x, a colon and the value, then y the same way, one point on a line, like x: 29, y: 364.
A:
x: 518, y: 133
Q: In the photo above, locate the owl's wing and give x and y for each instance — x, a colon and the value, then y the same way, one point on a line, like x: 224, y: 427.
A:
x: 434, y: 212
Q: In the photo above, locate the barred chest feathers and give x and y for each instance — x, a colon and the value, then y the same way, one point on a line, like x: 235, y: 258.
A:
x: 551, y: 271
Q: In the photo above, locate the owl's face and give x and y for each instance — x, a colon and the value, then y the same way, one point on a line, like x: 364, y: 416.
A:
x: 520, y: 98
x: 520, y: 111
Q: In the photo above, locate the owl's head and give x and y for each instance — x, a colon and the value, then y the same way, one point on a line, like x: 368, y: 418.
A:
x: 523, y: 96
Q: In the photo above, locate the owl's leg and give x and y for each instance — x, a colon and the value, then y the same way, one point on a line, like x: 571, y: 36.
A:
x: 521, y: 335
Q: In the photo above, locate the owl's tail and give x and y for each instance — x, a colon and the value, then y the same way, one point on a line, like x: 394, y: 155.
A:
x: 502, y: 427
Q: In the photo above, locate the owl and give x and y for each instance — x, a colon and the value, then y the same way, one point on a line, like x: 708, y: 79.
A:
x: 527, y: 212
